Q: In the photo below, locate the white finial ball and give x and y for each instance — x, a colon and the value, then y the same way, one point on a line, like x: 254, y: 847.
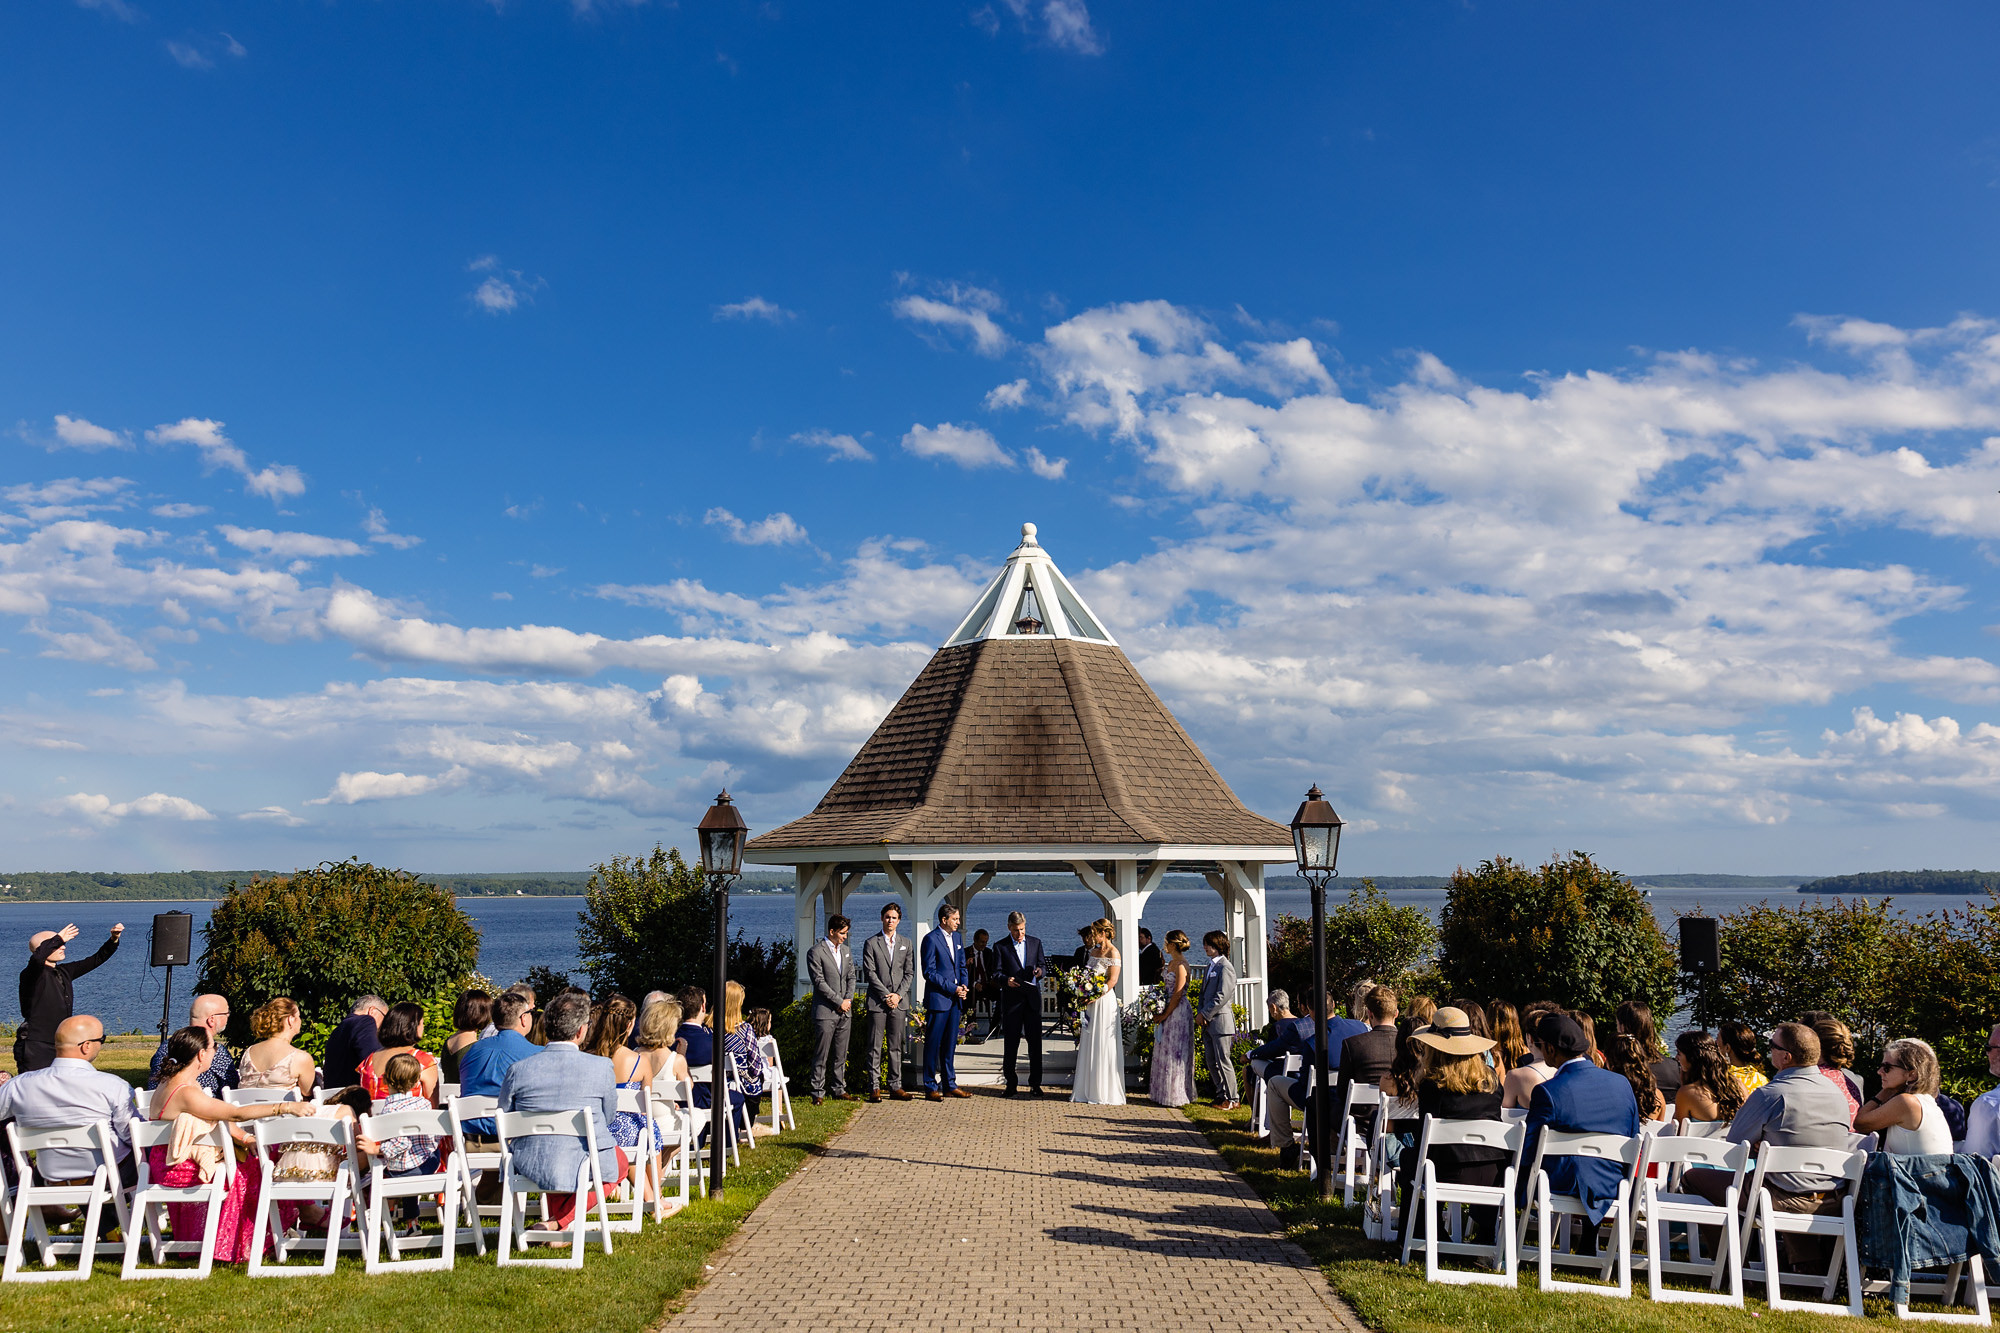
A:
x: 1027, y: 534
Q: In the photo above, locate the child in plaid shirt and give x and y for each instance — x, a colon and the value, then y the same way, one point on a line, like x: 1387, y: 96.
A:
x: 404, y: 1154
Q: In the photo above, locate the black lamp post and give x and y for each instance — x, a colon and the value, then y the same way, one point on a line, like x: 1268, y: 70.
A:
x: 722, y: 833
x: 1316, y: 840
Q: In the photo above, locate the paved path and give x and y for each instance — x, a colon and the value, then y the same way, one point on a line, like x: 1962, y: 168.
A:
x: 1025, y: 1216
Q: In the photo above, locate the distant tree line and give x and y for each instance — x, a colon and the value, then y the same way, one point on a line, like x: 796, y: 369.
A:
x: 1907, y: 881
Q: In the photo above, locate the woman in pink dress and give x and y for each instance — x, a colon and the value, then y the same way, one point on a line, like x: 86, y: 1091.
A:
x: 192, y: 1156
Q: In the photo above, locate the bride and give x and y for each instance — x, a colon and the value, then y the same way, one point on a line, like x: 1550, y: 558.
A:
x: 1100, y: 1048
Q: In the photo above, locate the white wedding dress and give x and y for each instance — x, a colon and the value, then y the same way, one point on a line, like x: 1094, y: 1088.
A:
x: 1100, y: 1049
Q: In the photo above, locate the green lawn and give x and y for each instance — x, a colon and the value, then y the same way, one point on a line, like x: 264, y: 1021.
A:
x: 1394, y: 1299
x: 625, y: 1293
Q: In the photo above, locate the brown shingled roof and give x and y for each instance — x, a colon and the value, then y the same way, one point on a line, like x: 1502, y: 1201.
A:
x: 1028, y: 739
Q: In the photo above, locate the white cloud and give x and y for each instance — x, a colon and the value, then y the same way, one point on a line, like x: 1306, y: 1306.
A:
x: 70, y: 497
x: 1062, y: 23
x: 1002, y: 397
x: 289, y: 545
x: 755, y: 308
x: 1048, y: 469
x: 377, y: 528
x: 502, y: 290
x: 353, y: 788
x: 969, y: 310
x: 77, y: 433
x: 96, y: 641
x: 187, y: 57
x: 118, y: 9
x: 177, y: 510
x: 218, y: 451
x: 967, y: 446
x: 101, y: 809
x: 778, y: 529
x: 273, y: 814
x: 836, y: 446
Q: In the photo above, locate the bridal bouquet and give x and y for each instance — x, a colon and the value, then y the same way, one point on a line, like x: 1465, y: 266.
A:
x: 1137, y: 1017
x: 1085, y: 985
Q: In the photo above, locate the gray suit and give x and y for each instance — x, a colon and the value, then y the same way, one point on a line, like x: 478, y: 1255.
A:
x: 1218, y: 994
x: 886, y: 974
x: 832, y: 975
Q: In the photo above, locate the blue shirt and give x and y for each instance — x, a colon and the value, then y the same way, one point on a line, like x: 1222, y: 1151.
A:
x: 483, y: 1066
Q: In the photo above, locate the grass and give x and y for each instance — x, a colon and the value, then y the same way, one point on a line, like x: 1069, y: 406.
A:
x: 127, y: 1057
x: 625, y: 1293
x: 1393, y: 1299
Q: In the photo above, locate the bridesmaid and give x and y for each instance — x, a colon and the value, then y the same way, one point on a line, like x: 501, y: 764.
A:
x: 1172, y: 1082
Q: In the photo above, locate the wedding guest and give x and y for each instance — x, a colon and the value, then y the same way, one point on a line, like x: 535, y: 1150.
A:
x: 483, y: 1066
x: 402, y: 1030
x: 610, y: 1022
x: 1709, y: 1091
x: 563, y: 1078
x: 1632, y: 1061
x: 1635, y: 1019
x: 1905, y: 1110
x: 830, y: 968
x: 353, y: 1041
x: 1418, y: 1012
x: 272, y: 1061
x: 1581, y: 1098
x: 71, y: 1090
x: 209, y: 1012
x: 1510, y: 1048
x: 740, y: 1039
x: 404, y: 1154
x: 1982, y: 1128
x: 1152, y: 963
x: 469, y: 1018
x: 888, y: 972
x: 1367, y: 1058
x: 1589, y: 1026
x: 696, y: 1045
x: 1455, y: 1082
x: 1740, y: 1044
x: 979, y: 967
x: 1836, y: 1053
x: 1284, y: 1038
x: 1533, y: 1069
x: 191, y: 1157
x: 48, y: 991
x: 651, y: 1055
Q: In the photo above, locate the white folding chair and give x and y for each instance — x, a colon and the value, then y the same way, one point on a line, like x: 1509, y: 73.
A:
x: 777, y: 1086
x: 681, y: 1123
x: 733, y: 1074
x: 149, y: 1200
x: 1766, y: 1221
x: 1662, y: 1203
x: 472, y: 1165
x: 628, y: 1209
x: 384, y: 1189
x: 1378, y: 1203
x: 271, y: 1135
x: 258, y: 1096
x: 515, y: 1189
x: 1430, y: 1196
x: 1545, y: 1208
x: 26, y: 1222
x: 1260, y: 1097
x: 701, y: 1076
x: 1703, y: 1129
x: 142, y: 1102
x: 446, y: 1091
x: 1352, y: 1146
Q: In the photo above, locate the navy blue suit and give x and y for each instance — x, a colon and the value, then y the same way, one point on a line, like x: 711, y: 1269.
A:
x: 1581, y: 1098
x: 944, y: 973
x: 1290, y: 1036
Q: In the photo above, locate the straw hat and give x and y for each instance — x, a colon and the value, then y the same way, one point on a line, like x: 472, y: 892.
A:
x: 1451, y: 1032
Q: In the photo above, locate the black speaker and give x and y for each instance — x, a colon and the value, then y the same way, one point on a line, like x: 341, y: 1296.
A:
x: 1701, y: 945
x: 173, y: 939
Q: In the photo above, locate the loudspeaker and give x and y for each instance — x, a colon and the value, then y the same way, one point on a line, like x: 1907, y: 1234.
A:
x: 1701, y: 945
x: 173, y: 939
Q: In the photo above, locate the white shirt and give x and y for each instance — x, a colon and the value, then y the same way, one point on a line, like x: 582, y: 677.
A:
x: 1021, y: 951
x: 70, y: 1092
x: 1982, y: 1124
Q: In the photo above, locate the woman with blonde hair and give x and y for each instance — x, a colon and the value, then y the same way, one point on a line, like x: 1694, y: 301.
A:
x: 1454, y: 1082
x: 272, y: 1061
x: 1171, y: 1079
x: 1510, y: 1048
x: 1905, y: 1112
x: 742, y: 1042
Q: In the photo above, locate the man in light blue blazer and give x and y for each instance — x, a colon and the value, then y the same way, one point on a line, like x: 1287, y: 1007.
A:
x: 1581, y: 1098
x: 945, y: 987
x: 563, y: 1078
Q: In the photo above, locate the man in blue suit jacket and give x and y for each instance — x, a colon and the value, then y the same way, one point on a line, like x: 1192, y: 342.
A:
x: 563, y: 1078
x: 1581, y: 1098
x: 945, y: 985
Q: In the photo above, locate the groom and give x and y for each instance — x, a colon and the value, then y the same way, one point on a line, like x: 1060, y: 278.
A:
x: 1018, y: 965
x: 945, y: 987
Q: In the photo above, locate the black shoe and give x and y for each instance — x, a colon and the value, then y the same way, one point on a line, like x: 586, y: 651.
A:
x: 1011, y: 1091
x: 1288, y: 1158
x: 1035, y: 1091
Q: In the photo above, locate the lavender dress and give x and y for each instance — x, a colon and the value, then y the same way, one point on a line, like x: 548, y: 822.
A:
x: 1172, y: 1082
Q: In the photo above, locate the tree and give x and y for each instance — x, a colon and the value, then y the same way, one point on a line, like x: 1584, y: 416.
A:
x: 648, y: 922
x: 1367, y: 936
x: 327, y: 935
x: 1572, y: 931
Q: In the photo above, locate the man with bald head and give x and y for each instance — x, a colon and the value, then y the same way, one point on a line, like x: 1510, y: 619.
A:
x: 48, y: 991
x: 211, y: 1012
x: 71, y: 1091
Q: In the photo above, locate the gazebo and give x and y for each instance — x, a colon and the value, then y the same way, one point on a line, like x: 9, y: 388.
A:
x: 1030, y: 743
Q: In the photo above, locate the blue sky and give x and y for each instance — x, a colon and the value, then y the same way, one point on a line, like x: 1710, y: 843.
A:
x: 466, y: 435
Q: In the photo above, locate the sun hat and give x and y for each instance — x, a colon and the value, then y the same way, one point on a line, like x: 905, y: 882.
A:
x: 1451, y: 1032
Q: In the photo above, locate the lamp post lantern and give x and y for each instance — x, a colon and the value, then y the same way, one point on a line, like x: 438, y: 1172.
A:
x: 722, y: 834
x: 1316, y: 841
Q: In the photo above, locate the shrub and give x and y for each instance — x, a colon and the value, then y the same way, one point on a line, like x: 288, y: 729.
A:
x: 1366, y: 936
x: 648, y: 923
x: 1572, y: 932
x: 329, y: 934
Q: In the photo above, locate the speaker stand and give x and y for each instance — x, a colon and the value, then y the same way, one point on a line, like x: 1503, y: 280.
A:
x: 167, y: 1002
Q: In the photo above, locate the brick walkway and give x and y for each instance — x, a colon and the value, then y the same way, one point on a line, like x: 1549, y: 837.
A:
x: 1025, y: 1216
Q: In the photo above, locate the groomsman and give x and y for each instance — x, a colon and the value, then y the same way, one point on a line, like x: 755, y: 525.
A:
x: 1217, y: 1018
x: 889, y: 968
x: 830, y: 967
x: 945, y: 987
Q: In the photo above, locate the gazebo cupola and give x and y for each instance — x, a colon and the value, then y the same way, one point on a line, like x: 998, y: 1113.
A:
x: 1030, y: 742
